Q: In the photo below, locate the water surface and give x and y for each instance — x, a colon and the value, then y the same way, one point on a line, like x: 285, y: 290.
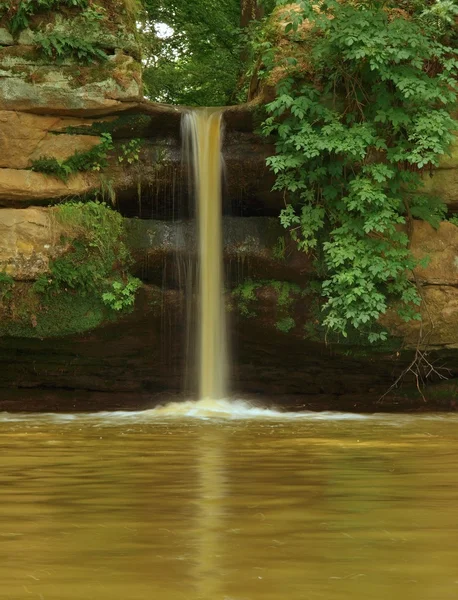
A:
x: 228, y: 504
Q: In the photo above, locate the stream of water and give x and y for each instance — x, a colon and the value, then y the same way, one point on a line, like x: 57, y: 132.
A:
x: 238, y: 504
x: 202, y: 136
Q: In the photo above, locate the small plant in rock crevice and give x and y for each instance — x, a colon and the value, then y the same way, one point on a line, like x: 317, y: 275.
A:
x: 130, y: 151
x: 94, y: 159
x: 57, y: 46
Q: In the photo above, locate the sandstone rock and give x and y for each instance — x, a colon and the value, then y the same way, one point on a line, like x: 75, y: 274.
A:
x: 68, y: 89
x: 441, y: 246
x: 164, y: 186
x: 439, y: 325
x: 28, y: 239
x: 24, y: 187
x: 25, y: 137
x: 63, y: 146
x: 443, y: 184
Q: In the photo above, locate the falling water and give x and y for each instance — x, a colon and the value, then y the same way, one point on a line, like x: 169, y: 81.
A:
x: 202, y: 130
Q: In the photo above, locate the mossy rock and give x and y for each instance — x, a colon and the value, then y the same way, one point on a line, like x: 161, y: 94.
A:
x: 29, y: 316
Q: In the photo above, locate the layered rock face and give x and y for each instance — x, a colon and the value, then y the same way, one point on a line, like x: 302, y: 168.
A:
x: 77, y: 60
x: 57, y: 70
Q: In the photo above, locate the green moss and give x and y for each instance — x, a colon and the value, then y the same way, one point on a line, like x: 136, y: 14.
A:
x: 19, y: 14
x: 62, y: 313
x: 6, y: 286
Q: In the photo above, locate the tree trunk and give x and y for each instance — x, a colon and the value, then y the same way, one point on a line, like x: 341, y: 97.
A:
x: 250, y: 11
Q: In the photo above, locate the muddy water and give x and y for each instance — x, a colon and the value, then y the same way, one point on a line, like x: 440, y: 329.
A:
x: 230, y: 506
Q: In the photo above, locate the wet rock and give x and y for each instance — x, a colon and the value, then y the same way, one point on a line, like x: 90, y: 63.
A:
x: 254, y: 247
x: 140, y: 360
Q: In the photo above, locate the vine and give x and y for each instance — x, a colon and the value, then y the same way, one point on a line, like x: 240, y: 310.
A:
x: 358, y: 118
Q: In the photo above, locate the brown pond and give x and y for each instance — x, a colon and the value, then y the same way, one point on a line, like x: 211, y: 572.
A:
x: 240, y: 505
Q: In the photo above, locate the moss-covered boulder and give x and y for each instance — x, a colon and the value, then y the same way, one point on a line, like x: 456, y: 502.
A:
x: 63, y: 270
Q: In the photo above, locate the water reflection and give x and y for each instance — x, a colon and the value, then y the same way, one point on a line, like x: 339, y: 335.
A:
x: 139, y: 507
x: 210, y: 514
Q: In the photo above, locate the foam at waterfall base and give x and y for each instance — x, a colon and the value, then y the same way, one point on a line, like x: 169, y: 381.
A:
x: 207, y: 409
x: 224, y: 408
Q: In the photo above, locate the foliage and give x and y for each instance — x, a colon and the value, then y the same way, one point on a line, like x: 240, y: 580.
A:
x: 94, y: 159
x: 97, y: 262
x: 245, y: 296
x: 130, y: 151
x: 353, y: 136
x: 57, y: 46
x: 6, y: 286
x: 122, y: 295
x: 86, y: 286
x: 195, y: 59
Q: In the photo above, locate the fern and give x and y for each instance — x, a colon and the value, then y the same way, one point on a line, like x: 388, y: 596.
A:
x: 57, y: 46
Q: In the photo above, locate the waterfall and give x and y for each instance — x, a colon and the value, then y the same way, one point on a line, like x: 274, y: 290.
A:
x: 202, y: 140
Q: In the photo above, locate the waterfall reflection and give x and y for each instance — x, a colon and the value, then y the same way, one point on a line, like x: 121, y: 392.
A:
x: 211, y: 461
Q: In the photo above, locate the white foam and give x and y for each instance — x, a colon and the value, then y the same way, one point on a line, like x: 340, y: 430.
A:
x: 208, y: 408
x: 218, y: 410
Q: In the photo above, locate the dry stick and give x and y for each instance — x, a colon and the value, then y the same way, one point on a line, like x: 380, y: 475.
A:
x: 420, y: 361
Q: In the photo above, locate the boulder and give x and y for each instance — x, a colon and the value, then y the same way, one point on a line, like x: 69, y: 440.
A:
x: 441, y: 246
